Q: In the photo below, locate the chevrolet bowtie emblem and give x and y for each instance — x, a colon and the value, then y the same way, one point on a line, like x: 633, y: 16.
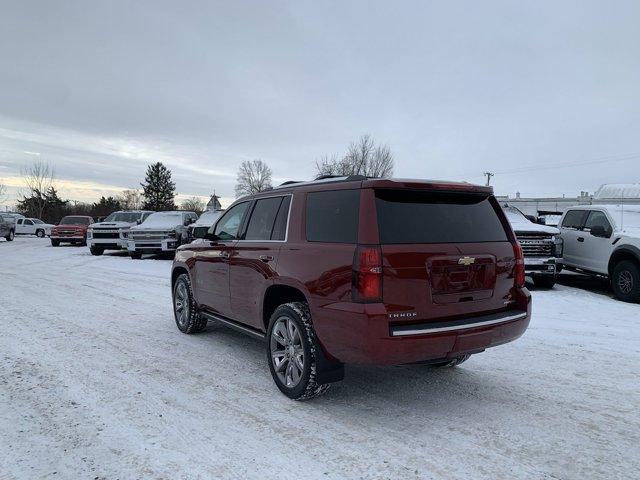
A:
x: 466, y: 261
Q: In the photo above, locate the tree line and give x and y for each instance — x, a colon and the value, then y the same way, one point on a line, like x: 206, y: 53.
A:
x: 158, y: 191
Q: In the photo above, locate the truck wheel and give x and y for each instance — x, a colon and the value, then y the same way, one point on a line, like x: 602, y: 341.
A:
x: 625, y: 281
x: 55, y: 243
x: 453, y: 362
x: 83, y: 243
x: 291, y: 352
x: 545, y: 281
x: 97, y: 251
x: 185, y: 311
x: 135, y: 255
x: 11, y: 236
x: 40, y: 233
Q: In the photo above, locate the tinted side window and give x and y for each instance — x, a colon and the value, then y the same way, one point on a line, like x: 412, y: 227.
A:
x: 280, y: 226
x: 227, y: 227
x: 333, y: 216
x: 574, y: 219
x: 598, y: 219
x: 262, y: 219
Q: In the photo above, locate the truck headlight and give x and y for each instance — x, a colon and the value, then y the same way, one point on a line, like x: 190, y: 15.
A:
x: 558, y: 246
x: 89, y: 233
x: 171, y: 234
x: 124, y: 234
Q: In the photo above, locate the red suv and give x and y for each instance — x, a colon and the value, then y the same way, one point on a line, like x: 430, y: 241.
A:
x: 357, y: 270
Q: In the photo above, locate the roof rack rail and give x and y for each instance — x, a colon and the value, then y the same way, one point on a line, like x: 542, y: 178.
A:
x: 324, y: 179
x: 289, y: 182
x: 347, y: 178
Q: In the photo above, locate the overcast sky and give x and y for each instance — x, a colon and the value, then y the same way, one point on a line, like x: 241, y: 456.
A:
x: 101, y: 89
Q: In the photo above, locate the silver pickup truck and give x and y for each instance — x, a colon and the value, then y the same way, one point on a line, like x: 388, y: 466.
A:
x: 161, y: 232
x: 541, y: 246
x: 112, y: 232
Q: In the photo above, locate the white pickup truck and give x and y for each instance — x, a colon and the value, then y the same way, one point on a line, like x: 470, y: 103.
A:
x: 112, y: 232
x: 604, y: 240
x: 33, y: 226
x: 161, y: 232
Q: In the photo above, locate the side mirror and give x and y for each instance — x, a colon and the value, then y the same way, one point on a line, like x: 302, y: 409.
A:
x: 600, y: 231
x: 211, y: 236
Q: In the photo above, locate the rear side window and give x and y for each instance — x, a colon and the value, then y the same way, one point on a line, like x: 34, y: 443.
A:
x: 574, y: 219
x: 333, y: 216
x: 406, y: 216
x: 262, y: 219
x: 280, y: 226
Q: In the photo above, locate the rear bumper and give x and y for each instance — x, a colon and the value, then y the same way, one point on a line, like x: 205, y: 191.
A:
x: 366, y: 337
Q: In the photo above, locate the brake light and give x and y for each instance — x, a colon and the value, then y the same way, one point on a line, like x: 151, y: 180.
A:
x: 367, y: 274
x: 519, y: 268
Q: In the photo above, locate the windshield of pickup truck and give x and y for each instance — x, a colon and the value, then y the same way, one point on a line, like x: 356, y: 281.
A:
x: 129, y: 217
x: 163, y: 219
x: 75, y: 221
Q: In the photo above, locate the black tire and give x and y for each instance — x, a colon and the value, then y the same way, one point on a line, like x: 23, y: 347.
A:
x: 453, y: 362
x: 11, y: 236
x: 97, y: 251
x: 546, y: 282
x: 135, y: 255
x: 83, y: 243
x: 40, y: 233
x: 55, y: 243
x: 185, y: 311
x: 307, y: 386
x: 625, y: 281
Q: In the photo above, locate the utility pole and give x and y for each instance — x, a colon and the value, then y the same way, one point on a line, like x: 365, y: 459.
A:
x: 489, y: 175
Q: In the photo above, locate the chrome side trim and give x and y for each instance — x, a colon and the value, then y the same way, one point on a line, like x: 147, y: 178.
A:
x: 235, y: 325
x: 463, y: 326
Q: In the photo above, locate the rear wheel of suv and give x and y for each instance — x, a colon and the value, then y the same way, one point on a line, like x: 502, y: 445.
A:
x: 188, y: 319
x: 545, y: 281
x: 291, y: 352
x: 453, y: 362
x: 625, y: 281
x: 11, y: 236
x: 97, y: 251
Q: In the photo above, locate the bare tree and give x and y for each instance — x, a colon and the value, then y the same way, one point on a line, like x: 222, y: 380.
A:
x: 3, y: 192
x: 363, y: 157
x: 253, y: 176
x: 39, y: 178
x: 193, y: 204
x: 131, y: 199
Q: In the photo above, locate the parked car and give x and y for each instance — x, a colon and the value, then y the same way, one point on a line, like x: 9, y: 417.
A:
x: 604, y: 240
x: 203, y: 224
x: 161, y: 232
x: 112, y: 233
x: 7, y: 227
x: 541, y: 245
x: 71, y: 229
x: 357, y: 270
x: 12, y: 215
x: 33, y: 226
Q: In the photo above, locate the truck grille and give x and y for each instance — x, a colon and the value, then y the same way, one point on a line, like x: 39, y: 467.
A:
x: 106, y: 234
x: 147, y: 236
x: 536, y: 246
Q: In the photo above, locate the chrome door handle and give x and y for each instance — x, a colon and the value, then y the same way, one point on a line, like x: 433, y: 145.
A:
x: 224, y: 254
x: 581, y: 239
x: 266, y: 258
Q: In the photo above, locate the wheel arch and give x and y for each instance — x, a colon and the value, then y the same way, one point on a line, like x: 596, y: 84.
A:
x: 176, y: 272
x: 277, y: 294
x: 627, y: 252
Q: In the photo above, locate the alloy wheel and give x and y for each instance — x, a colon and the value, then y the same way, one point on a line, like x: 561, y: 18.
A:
x: 287, y: 351
x: 181, y: 304
x: 625, y: 282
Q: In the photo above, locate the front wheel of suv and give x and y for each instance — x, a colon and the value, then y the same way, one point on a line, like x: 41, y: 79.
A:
x: 185, y: 311
x: 291, y: 352
x: 625, y: 281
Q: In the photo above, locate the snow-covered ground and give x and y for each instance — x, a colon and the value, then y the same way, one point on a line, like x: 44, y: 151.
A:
x: 96, y: 382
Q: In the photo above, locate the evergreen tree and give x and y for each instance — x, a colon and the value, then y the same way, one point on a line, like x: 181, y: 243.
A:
x: 158, y: 190
x: 106, y: 206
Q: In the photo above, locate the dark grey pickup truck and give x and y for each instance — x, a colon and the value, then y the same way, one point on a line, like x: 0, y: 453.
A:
x: 7, y: 227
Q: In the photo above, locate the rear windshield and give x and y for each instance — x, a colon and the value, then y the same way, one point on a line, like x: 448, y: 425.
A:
x: 406, y: 216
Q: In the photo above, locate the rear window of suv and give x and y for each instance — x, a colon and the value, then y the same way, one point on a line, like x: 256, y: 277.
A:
x: 406, y: 216
x: 332, y: 216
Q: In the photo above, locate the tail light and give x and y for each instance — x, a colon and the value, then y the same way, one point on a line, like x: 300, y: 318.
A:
x: 519, y: 268
x: 366, y: 284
